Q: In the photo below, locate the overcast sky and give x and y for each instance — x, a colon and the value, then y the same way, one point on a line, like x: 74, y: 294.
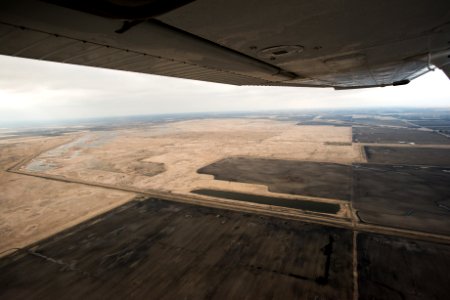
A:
x: 36, y: 90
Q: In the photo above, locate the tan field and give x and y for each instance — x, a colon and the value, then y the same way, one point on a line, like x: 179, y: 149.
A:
x: 162, y: 157
x: 33, y: 208
x: 127, y: 157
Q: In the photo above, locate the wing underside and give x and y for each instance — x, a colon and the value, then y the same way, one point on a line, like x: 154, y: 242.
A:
x: 349, y: 44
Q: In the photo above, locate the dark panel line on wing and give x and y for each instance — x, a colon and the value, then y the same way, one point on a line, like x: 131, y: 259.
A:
x: 82, y: 54
x: 36, y: 43
x: 67, y: 46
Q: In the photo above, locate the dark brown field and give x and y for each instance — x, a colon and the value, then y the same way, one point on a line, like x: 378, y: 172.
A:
x: 317, y: 179
x: 321, y: 207
x: 408, y: 155
x: 155, y: 249
x: 431, y: 122
x: 398, y: 268
x: 381, y: 122
x: 403, y: 196
x: 386, y: 135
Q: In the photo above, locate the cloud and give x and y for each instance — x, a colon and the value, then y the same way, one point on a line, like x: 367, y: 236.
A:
x: 36, y: 90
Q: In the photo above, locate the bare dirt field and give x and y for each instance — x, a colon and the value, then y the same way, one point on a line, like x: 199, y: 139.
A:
x: 408, y: 155
x: 380, y: 121
x: 397, y: 268
x: 164, y: 250
x: 317, y: 179
x: 403, y: 196
x: 308, y: 205
x: 387, y: 135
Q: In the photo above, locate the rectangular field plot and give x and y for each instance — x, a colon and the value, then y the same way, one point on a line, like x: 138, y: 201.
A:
x: 407, y: 197
x: 397, y: 268
x: 381, y: 122
x: 431, y: 122
x: 321, y: 207
x: 325, y: 123
x: 156, y: 249
x: 443, y: 129
x: 408, y: 155
x: 386, y: 135
x: 317, y: 179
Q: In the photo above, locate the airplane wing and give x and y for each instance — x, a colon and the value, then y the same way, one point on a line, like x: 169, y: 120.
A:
x: 323, y: 43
